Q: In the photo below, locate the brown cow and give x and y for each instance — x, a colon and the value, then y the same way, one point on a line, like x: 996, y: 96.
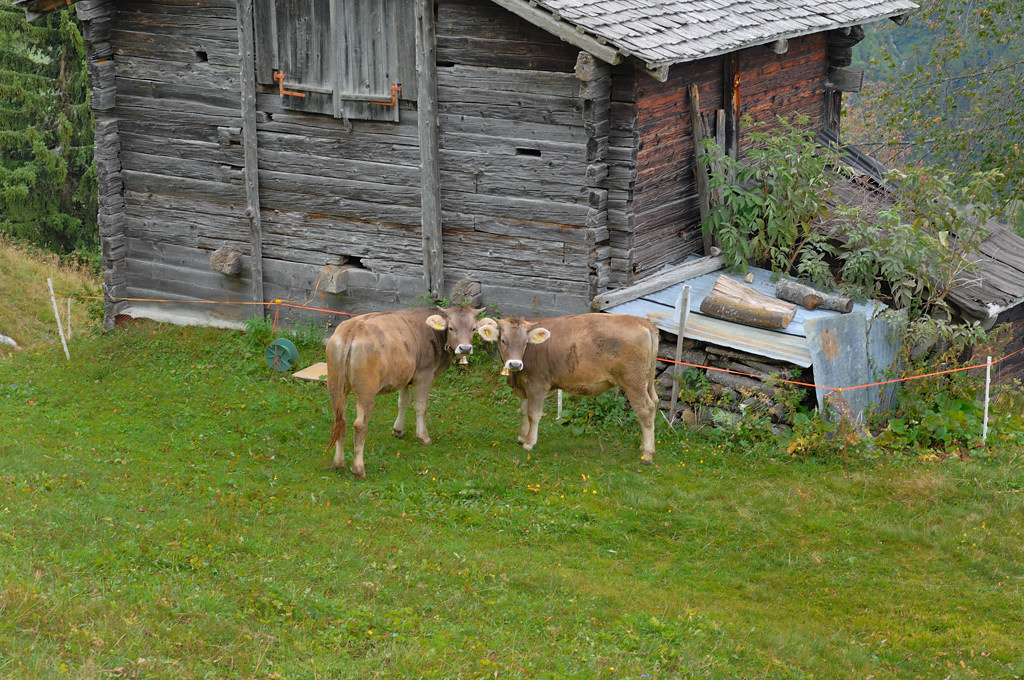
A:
x: 586, y: 354
x: 388, y: 352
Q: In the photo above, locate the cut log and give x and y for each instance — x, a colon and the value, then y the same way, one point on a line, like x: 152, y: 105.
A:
x: 734, y: 301
x: 741, y: 383
x: 811, y: 298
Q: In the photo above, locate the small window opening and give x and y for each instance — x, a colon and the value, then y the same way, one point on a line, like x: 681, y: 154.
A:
x: 202, y: 57
x: 522, y: 151
x: 354, y: 262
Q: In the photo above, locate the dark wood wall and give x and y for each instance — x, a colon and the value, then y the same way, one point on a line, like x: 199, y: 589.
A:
x: 664, y: 212
x: 773, y: 85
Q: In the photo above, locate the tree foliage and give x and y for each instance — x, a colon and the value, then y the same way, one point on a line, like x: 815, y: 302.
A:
x: 779, y: 212
x: 772, y: 199
x: 947, y: 90
x: 47, y: 176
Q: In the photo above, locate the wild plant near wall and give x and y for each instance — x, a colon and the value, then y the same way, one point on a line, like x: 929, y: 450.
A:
x: 776, y: 214
x: 772, y: 199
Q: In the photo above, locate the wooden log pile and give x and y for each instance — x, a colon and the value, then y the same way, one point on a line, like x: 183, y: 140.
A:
x: 745, y: 383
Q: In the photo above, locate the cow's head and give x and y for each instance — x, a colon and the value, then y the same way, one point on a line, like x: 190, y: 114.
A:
x: 513, y: 335
x: 459, y: 324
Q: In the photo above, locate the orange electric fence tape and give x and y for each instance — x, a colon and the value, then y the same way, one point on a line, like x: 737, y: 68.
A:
x: 854, y: 387
x: 283, y: 303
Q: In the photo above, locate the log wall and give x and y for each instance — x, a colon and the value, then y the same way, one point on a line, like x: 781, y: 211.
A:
x: 664, y: 212
x: 524, y: 210
x: 561, y: 177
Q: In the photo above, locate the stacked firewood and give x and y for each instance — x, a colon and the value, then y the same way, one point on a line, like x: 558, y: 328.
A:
x: 746, y: 383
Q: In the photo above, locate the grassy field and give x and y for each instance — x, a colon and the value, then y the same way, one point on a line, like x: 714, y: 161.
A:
x: 168, y: 510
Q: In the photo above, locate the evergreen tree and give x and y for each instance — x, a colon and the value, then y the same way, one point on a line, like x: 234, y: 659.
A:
x: 947, y: 90
x: 47, y: 176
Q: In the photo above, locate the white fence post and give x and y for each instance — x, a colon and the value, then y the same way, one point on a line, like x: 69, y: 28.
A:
x: 988, y: 382
x: 56, y: 313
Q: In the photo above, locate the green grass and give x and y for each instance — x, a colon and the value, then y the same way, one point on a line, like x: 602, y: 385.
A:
x: 26, y: 312
x: 168, y: 510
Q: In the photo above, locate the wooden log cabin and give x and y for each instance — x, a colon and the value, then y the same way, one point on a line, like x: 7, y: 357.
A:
x: 361, y: 155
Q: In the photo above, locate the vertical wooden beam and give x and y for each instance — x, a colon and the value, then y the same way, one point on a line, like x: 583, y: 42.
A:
x: 731, y: 100
x: 247, y: 53
x: 430, y: 172
x: 701, y: 170
x: 682, y: 313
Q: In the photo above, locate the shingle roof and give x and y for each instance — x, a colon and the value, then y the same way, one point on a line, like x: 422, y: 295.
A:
x: 665, y: 32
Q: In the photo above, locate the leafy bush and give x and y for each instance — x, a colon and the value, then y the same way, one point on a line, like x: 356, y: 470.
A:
x: 607, y: 411
x: 772, y: 199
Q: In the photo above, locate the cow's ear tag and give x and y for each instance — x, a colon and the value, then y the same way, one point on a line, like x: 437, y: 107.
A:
x: 437, y: 322
x: 488, y: 332
x: 539, y: 335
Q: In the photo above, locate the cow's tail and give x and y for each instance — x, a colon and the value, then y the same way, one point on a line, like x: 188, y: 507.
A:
x: 339, y: 394
x: 655, y: 338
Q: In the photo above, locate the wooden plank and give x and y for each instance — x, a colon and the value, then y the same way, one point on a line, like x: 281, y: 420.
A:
x: 731, y: 98
x: 178, y: 186
x: 250, y: 172
x: 565, y: 31
x: 430, y: 172
x: 682, y: 313
x: 196, y: 74
x: 475, y: 123
x: 183, y: 48
x: 188, y: 168
x: 701, y: 170
x: 659, y: 281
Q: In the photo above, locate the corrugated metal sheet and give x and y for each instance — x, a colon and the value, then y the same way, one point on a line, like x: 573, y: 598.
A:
x: 788, y: 345
x: 665, y: 32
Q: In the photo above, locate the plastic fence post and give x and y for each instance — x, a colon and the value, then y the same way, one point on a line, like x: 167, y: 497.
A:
x: 56, y: 313
x: 988, y: 382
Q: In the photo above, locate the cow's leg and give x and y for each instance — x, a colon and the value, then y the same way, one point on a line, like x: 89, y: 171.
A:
x: 534, y: 410
x: 646, y: 409
x: 421, y: 394
x: 403, y: 405
x: 524, y: 428
x: 339, y: 400
x: 364, y: 407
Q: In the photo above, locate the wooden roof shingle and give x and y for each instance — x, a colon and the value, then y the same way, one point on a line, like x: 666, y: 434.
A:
x: 665, y: 32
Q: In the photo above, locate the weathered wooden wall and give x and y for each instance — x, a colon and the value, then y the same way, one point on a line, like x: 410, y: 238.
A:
x: 773, y: 85
x: 560, y: 176
x: 516, y: 194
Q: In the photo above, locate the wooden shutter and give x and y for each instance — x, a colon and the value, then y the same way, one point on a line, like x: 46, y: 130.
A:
x: 350, y: 58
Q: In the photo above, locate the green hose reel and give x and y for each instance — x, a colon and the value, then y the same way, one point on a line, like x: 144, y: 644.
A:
x: 281, y: 354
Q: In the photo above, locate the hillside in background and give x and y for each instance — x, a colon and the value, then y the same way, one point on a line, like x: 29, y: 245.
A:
x: 26, y: 314
x: 946, y: 90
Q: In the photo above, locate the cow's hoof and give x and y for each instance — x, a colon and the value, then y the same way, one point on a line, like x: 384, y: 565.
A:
x: 359, y: 474
x: 647, y: 461
x: 426, y: 442
x: 338, y: 463
x: 398, y: 433
x: 528, y: 447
